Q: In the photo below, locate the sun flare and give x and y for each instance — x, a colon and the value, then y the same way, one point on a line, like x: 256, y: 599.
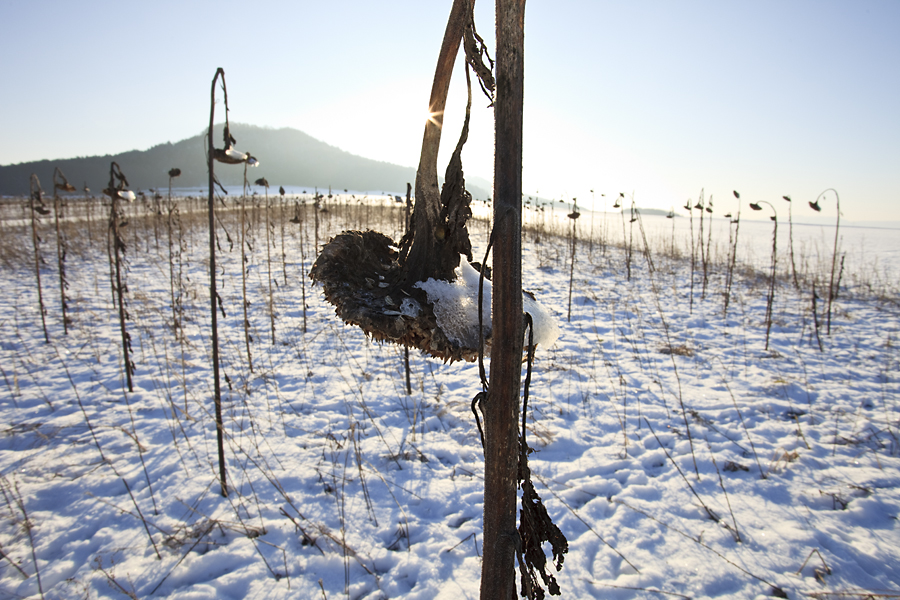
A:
x: 436, y: 117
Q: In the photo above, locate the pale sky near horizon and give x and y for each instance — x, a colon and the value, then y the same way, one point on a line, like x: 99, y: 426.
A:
x: 659, y: 99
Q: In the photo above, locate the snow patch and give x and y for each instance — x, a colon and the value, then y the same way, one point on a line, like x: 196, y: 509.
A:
x: 456, y: 308
x: 546, y: 328
x: 410, y: 308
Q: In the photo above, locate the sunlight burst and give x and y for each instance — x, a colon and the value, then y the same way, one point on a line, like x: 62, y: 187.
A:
x: 436, y: 117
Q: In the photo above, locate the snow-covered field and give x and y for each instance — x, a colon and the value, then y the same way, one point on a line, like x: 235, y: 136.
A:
x: 678, y: 456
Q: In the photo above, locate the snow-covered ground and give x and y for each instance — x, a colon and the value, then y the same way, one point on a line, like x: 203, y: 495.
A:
x: 679, y: 456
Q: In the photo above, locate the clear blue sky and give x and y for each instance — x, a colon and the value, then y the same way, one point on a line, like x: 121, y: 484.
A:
x: 656, y: 98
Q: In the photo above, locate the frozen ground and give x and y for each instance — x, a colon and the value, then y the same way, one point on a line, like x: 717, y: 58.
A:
x: 718, y: 470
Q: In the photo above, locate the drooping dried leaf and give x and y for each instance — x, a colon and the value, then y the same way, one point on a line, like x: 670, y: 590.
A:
x: 476, y: 51
x: 535, y: 528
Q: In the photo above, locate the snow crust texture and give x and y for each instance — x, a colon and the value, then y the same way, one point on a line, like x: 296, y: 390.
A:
x: 680, y: 457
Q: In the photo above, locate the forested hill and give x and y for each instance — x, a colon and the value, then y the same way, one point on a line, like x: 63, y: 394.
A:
x: 287, y: 157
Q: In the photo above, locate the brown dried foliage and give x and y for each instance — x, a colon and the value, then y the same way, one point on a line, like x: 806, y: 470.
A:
x: 356, y: 270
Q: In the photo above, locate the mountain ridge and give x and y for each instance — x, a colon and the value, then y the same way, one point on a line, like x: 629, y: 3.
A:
x: 287, y: 157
